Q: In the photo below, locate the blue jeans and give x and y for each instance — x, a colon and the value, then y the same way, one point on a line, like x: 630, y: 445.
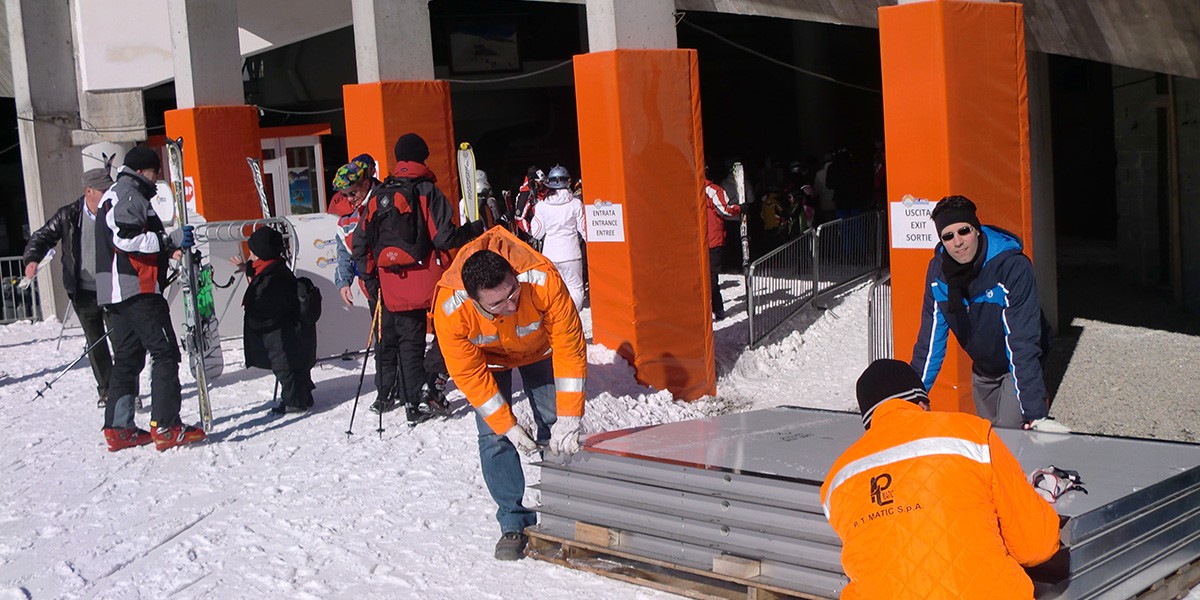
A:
x: 498, y: 457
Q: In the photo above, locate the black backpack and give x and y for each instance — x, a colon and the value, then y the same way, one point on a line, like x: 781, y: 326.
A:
x: 398, y: 233
x: 310, y: 300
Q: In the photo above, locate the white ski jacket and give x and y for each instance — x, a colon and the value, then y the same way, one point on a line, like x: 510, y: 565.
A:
x: 558, y: 220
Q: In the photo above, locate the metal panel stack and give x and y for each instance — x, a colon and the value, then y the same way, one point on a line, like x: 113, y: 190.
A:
x: 747, y: 486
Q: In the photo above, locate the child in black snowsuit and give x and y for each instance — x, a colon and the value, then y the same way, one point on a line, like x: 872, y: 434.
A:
x: 274, y: 335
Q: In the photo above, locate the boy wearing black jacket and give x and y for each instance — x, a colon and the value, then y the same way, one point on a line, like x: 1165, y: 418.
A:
x: 275, y: 336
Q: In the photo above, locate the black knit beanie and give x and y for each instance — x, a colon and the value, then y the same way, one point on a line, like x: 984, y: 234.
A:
x: 411, y: 147
x: 140, y: 157
x: 885, y: 379
x: 954, y: 209
x: 266, y: 243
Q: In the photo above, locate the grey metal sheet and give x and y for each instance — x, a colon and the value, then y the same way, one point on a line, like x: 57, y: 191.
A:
x: 698, y: 506
x: 798, y: 445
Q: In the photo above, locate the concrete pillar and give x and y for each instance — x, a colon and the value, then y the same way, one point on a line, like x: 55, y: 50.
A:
x: 43, y: 68
x: 207, y: 54
x: 1041, y: 174
x: 110, y: 116
x: 396, y: 92
x: 392, y: 41
x: 631, y: 25
x: 219, y: 131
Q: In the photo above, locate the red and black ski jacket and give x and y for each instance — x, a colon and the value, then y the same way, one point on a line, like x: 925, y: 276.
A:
x: 132, y: 248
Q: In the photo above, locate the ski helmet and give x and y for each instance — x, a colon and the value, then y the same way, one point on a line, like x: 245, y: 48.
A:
x: 559, y: 178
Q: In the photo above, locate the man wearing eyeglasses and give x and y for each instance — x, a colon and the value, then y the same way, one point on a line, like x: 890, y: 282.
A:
x: 501, y: 307
x: 980, y: 287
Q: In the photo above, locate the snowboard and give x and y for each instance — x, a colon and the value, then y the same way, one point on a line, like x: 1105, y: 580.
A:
x: 256, y: 171
x: 469, y: 206
x: 201, y: 338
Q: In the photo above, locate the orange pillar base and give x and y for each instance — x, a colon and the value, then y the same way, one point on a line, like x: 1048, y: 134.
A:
x: 955, y: 122
x: 641, y: 149
x: 379, y: 113
x: 216, y: 142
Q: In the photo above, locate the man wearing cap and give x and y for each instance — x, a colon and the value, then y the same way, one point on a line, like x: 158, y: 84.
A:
x: 75, y: 225
x: 981, y: 287
x: 932, y: 504
x: 132, y: 252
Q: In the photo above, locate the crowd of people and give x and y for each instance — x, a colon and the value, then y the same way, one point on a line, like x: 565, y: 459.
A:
x: 504, y: 293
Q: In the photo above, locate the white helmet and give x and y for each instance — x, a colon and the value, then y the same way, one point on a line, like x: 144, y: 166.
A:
x: 559, y: 178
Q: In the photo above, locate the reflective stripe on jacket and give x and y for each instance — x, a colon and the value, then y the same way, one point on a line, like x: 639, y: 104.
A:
x: 475, y: 343
x: 935, y: 506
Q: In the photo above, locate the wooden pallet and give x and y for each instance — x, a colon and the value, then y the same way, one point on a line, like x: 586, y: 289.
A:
x: 591, y: 552
x: 1176, y: 585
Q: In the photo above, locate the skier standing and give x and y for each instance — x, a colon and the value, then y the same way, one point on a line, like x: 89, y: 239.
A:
x: 401, y: 246
x: 718, y: 208
x: 75, y: 225
x: 353, y: 182
x: 559, y: 223
x: 275, y: 336
x: 132, y: 250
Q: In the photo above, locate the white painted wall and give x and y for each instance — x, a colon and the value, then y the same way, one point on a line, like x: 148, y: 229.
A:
x: 126, y: 44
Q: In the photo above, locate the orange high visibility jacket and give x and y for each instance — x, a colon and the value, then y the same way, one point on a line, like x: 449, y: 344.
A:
x: 546, y: 324
x: 935, y: 506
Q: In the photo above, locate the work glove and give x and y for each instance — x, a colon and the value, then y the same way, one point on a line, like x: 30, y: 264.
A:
x: 1047, y: 425
x: 184, y: 237
x: 1051, y: 482
x: 564, y: 435
x: 520, y: 438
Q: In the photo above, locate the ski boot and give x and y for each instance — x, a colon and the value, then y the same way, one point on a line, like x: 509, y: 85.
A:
x: 414, y: 414
x: 169, y: 437
x: 119, y: 438
x: 383, y: 405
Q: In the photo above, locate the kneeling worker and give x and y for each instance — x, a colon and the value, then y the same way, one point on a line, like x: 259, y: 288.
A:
x: 502, y: 307
x: 932, y: 504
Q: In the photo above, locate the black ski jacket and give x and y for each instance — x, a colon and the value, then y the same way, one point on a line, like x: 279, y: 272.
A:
x: 273, y: 336
x: 62, y: 226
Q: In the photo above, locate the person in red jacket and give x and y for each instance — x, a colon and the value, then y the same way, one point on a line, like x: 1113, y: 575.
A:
x: 401, y: 248
x: 719, y: 209
x: 932, y: 505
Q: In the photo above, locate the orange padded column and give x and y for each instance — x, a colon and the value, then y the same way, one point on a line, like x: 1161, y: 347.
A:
x: 640, y: 149
x: 378, y: 113
x: 955, y: 122
x: 216, y: 142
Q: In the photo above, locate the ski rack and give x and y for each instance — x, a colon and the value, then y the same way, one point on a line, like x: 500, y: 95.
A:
x: 240, y: 231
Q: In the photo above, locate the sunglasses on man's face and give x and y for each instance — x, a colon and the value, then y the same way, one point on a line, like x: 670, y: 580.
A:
x: 963, y: 231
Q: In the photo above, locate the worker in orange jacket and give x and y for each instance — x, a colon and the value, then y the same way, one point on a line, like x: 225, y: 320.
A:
x: 502, y: 306
x: 932, y: 505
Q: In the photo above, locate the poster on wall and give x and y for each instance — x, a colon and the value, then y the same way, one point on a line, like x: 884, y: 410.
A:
x: 300, y: 191
x: 911, y: 225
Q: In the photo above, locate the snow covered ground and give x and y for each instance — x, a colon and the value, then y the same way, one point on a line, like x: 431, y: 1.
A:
x: 293, y: 507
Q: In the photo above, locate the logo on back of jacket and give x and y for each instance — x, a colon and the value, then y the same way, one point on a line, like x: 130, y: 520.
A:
x: 884, y: 499
x: 879, y: 489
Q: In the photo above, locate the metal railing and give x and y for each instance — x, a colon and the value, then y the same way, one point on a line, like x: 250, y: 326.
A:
x: 879, y: 320
x: 820, y: 261
x: 18, y: 304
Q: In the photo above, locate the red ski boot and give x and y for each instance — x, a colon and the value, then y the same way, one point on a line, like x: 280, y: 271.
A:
x: 169, y: 437
x: 120, y: 438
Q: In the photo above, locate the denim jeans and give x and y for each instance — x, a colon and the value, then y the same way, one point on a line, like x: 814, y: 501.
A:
x: 498, y: 457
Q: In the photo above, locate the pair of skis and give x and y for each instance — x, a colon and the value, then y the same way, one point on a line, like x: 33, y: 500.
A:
x: 467, y: 179
x: 202, y: 337
x: 739, y: 182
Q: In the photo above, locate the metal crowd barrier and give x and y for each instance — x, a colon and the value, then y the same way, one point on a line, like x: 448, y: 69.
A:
x: 18, y: 304
x: 820, y: 261
x: 879, y: 320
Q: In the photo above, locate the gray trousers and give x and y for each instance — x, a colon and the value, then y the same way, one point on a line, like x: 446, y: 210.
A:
x: 996, y: 400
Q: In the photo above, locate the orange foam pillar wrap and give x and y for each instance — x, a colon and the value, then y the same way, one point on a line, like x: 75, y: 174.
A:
x: 216, y: 142
x: 641, y: 149
x: 379, y: 113
x: 955, y: 122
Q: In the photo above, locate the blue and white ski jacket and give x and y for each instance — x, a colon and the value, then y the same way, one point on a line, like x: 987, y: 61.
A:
x: 1001, y: 327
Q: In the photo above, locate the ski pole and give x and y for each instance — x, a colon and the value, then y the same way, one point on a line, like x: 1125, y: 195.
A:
x: 50, y: 384
x: 63, y: 329
x: 363, y: 374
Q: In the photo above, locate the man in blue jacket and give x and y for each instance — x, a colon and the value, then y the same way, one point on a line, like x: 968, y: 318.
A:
x: 981, y: 287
